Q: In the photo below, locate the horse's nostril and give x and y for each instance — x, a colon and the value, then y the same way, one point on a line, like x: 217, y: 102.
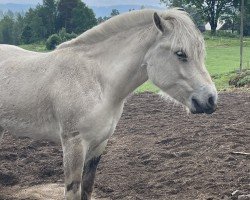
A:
x: 211, y: 101
x: 195, y: 102
x: 197, y: 106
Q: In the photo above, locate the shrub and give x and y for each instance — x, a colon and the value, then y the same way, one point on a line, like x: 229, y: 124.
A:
x: 245, y: 81
x: 240, y: 80
x: 57, y: 39
x: 53, y: 41
x: 220, y: 34
x: 64, y: 36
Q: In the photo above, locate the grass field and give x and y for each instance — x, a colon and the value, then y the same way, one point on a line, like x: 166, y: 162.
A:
x: 39, y: 47
x: 222, y: 60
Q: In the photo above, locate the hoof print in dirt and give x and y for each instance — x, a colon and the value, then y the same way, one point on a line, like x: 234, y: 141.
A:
x: 8, y: 179
x: 46, y: 172
x: 10, y: 157
x: 238, y: 195
x: 244, y: 197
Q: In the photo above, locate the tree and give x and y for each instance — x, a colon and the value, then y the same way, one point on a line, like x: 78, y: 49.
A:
x: 74, y: 16
x: 83, y: 18
x: 247, y: 19
x: 35, y: 21
x: 10, y: 14
x: 232, y: 17
x: 177, y: 3
x: 192, y: 10
x: 1, y: 14
x: 65, y: 12
x: 39, y: 23
x: 211, y: 10
x: 18, y: 29
x: 114, y: 12
x: 6, y: 30
x: 48, y: 13
x: 100, y: 20
x: 26, y: 36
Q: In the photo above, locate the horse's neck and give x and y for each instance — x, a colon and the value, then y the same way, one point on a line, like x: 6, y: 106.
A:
x: 121, y: 58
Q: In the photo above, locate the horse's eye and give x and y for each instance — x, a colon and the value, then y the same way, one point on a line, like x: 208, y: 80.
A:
x: 181, y: 55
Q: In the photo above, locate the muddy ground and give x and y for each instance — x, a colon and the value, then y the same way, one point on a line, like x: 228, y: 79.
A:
x: 158, y: 151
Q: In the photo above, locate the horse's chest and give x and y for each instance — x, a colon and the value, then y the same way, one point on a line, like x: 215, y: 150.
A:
x: 100, y: 125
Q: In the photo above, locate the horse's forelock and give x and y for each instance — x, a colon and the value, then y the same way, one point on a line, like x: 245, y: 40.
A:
x: 184, y: 33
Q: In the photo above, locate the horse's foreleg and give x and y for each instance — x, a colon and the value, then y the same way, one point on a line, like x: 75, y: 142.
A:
x: 74, y: 152
x: 89, y: 177
x: 90, y: 171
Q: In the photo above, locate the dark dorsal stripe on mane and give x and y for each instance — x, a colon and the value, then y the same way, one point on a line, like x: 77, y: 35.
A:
x: 112, y: 26
x: 183, y: 31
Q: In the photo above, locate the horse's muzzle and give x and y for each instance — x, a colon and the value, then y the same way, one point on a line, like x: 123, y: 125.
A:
x: 208, y: 107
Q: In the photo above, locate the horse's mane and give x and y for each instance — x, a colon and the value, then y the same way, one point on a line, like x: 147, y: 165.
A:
x: 112, y: 26
x: 184, y: 31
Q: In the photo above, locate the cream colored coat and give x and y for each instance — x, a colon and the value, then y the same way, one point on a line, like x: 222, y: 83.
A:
x: 75, y: 94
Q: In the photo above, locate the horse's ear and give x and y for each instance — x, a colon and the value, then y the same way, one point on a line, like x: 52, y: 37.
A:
x: 158, y: 22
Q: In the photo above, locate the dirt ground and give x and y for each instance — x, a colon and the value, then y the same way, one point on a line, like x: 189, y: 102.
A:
x: 158, y: 151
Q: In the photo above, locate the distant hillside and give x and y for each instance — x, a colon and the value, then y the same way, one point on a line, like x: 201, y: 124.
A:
x: 16, y: 7
x: 105, y: 11
x: 99, y: 11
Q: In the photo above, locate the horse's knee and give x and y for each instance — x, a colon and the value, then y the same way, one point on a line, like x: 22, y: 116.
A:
x: 70, y: 195
x: 73, y: 190
x: 91, y: 165
x: 74, y: 186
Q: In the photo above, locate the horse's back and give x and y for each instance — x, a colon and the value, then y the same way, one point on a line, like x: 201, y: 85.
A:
x: 25, y: 104
x: 10, y: 51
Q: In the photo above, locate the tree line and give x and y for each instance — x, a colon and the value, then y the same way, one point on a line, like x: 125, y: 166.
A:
x: 212, y: 11
x: 50, y: 17
x: 60, y: 20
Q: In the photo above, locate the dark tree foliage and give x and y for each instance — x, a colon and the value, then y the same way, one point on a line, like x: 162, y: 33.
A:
x: 48, y: 13
x: 26, y: 35
x: 192, y: 10
x: 46, y: 19
x: 83, y: 18
x: 247, y: 18
x: 65, y: 12
x: 210, y: 10
x: 75, y: 16
x: 6, y: 30
x: 114, y: 12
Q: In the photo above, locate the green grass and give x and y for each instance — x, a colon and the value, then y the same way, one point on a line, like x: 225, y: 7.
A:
x: 223, y: 54
x: 39, y: 47
x: 222, y: 60
x: 148, y: 86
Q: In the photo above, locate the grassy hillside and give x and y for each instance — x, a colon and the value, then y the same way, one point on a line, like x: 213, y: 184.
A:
x: 222, y: 60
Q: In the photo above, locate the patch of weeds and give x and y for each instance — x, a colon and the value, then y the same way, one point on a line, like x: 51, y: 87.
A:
x: 241, y: 79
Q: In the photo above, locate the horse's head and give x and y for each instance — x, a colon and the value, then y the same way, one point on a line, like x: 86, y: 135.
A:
x: 175, y: 63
